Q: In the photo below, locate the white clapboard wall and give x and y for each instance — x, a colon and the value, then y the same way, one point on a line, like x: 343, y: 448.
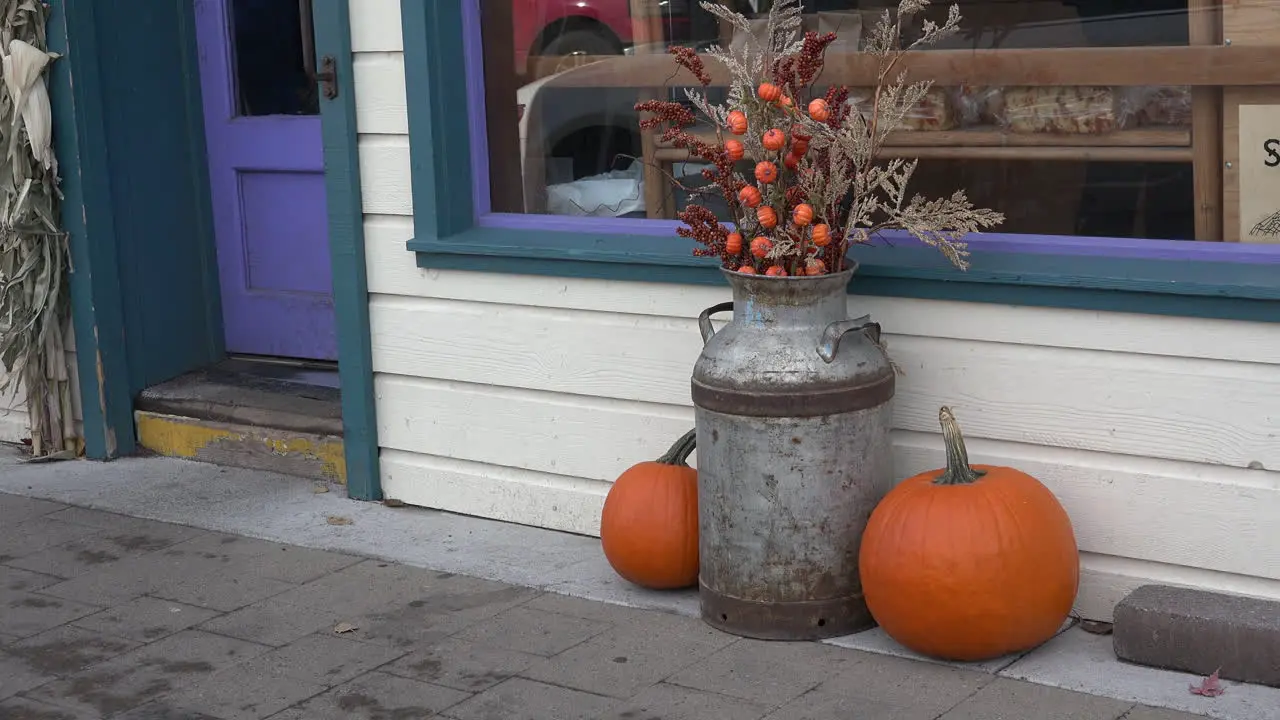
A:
x: 520, y: 398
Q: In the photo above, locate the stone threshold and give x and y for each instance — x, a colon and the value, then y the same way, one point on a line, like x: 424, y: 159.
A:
x: 284, y: 509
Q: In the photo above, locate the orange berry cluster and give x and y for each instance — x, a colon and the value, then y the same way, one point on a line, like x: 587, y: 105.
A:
x: 775, y: 140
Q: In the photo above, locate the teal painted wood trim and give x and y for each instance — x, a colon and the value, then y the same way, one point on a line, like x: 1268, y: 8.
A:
x: 214, y: 339
x: 346, y: 247
x: 1160, y: 287
x: 448, y: 236
x: 97, y: 306
x: 440, y: 151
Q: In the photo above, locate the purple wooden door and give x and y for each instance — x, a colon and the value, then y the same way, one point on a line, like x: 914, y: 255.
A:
x: 266, y: 169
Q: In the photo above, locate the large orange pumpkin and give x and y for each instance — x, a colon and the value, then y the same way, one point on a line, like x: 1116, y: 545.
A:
x: 649, y: 526
x: 969, y: 562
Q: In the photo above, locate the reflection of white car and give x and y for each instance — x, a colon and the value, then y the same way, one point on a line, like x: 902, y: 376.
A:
x: 576, y: 146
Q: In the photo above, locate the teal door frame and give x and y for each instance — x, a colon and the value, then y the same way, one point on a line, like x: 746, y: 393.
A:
x: 129, y: 134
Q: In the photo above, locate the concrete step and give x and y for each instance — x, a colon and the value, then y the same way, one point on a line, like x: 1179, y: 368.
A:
x: 261, y: 416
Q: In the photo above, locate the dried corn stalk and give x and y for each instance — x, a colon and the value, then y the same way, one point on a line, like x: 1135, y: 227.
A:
x: 34, y: 259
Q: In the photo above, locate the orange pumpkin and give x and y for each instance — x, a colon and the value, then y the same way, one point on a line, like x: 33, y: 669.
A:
x: 814, y: 266
x: 802, y: 215
x: 749, y: 196
x: 649, y: 526
x: 822, y: 235
x: 734, y: 149
x: 767, y: 216
x: 760, y: 247
x: 747, y: 270
x: 737, y: 122
x: 776, y: 271
x: 769, y: 92
x: 819, y: 110
x: 766, y: 172
x: 969, y: 562
x: 774, y: 139
x: 733, y: 243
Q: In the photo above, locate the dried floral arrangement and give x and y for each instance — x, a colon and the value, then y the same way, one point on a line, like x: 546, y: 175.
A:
x: 817, y: 184
x: 35, y: 261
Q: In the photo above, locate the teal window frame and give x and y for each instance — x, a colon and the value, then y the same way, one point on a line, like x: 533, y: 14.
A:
x: 449, y: 232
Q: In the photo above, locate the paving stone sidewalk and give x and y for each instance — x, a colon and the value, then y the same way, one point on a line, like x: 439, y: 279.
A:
x: 104, y: 616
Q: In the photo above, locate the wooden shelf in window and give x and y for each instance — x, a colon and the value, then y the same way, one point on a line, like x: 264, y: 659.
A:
x: 1141, y: 145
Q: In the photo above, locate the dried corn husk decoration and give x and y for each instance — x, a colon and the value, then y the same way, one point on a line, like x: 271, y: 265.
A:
x: 34, y: 257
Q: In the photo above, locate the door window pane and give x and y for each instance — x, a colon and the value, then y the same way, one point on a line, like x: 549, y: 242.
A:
x: 274, y: 57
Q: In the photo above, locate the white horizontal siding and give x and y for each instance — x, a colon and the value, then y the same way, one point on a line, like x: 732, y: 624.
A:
x: 520, y: 398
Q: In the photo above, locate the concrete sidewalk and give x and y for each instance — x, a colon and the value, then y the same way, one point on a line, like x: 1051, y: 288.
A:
x: 107, y: 616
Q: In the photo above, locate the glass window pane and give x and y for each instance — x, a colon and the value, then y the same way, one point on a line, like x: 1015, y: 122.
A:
x: 562, y: 81
x: 274, y: 57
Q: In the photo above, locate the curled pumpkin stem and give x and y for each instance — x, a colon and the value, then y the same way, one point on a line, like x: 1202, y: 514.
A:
x: 958, y: 470
x: 680, y: 451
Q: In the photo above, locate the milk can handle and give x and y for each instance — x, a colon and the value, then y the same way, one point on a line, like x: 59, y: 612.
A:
x: 704, y: 320
x: 837, y: 330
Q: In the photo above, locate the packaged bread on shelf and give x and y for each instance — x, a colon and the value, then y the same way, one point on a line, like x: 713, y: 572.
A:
x: 1062, y: 110
x: 1160, y: 106
x: 977, y: 105
x: 935, y: 111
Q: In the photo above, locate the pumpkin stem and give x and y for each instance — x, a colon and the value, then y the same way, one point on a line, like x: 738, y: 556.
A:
x: 679, y: 453
x: 958, y: 471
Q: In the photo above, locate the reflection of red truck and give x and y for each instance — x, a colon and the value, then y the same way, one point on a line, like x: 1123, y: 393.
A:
x: 584, y: 27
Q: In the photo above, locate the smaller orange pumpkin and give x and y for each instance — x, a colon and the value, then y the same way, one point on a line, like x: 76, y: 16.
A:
x: 733, y: 243
x: 802, y: 215
x: 774, y: 139
x: 737, y: 122
x: 769, y: 92
x: 749, y: 196
x: 785, y: 102
x: 734, y: 149
x: 766, y: 172
x: 819, y: 110
x: 747, y: 270
x: 767, y: 217
x: 822, y: 235
x: 776, y: 271
x: 792, y: 162
x: 760, y: 246
x: 814, y: 266
x: 649, y: 525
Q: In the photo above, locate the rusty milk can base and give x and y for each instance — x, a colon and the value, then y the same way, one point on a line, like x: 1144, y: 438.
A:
x: 805, y: 620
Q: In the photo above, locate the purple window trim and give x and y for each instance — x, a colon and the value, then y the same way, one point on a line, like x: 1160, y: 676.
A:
x: 1131, y: 248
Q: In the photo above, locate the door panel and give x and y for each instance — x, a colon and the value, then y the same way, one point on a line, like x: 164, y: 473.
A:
x: 266, y: 169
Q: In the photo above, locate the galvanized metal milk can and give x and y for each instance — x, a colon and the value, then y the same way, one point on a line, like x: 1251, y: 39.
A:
x: 792, y: 403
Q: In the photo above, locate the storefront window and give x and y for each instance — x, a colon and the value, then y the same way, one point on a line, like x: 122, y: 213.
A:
x: 1106, y: 159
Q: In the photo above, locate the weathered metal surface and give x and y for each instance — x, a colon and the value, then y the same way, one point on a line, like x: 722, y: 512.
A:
x: 793, y: 418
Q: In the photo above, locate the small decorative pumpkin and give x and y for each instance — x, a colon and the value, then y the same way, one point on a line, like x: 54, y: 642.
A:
x: 737, y: 121
x: 766, y: 172
x: 774, y: 140
x: 734, y: 149
x: 776, y: 271
x: 649, y: 526
x: 767, y: 217
x: 760, y: 246
x: 802, y: 215
x: 769, y: 92
x: 733, y: 243
x: 969, y: 562
x: 822, y: 235
x: 749, y: 196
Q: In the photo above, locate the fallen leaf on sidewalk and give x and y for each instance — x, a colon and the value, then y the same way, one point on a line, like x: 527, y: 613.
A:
x: 319, y: 488
x: 1209, y: 687
x: 338, y: 520
x: 344, y: 627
